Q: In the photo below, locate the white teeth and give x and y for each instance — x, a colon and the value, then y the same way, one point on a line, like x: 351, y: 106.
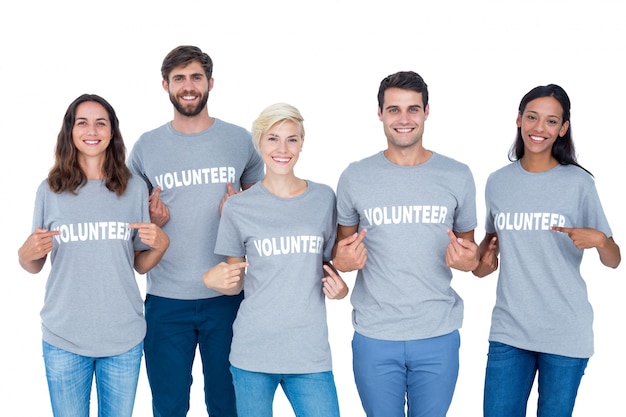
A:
x: 539, y: 138
x: 188, y: 97
x: 406, y: 130
x: 282, y: 159
x: 92, y: 142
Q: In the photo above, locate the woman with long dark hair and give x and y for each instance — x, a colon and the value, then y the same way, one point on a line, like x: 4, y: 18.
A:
x: 91, y: 216
x: 543, y: 211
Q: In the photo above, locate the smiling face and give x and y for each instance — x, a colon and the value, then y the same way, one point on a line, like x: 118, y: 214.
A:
x: 403, y: 115
x: 541, y: 124
x: 280, y: 147
x: 188, y: 88
x: 91, y: 132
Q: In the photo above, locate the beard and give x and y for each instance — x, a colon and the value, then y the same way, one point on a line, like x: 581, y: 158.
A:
x: 193, y: 111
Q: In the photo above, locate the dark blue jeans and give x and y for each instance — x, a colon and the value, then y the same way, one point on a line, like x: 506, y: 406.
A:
x: 175, y: 329
x: 510, y: 376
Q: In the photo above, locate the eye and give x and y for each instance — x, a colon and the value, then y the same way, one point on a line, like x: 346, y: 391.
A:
x: 414, y: 109
x: 197, y: 77
x: 530, y: 117
x: 552, y: 122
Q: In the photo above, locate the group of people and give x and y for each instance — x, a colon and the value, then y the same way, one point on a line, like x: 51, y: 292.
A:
x: 240, y: 255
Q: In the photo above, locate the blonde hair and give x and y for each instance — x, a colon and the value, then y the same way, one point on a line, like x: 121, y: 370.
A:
x: 279, y: 112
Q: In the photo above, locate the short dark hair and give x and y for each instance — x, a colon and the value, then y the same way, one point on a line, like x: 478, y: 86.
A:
x: 406, y: 80
x: 185, y: 55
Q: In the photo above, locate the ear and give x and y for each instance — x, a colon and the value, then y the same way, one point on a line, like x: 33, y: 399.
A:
x: 211, y: 84
x: 426, y: 111
x: 165, y: 85
x: 519, y: 119
x: 380, y: 114
x: 564, y: 128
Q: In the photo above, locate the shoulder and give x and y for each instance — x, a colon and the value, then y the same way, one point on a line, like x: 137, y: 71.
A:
x: 365, y: 164
x: 158, y: 131
x: 231, y: 128
x: 243, y: 197
x: 137, y: 184
x: 147, y: 140
x: 43, y: 187
x: 449, y: 162
x: 577, y: 175
x: 507, y: 170
x: 319, y: 188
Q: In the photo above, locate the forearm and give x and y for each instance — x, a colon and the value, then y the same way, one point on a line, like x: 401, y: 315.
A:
x: 610, y: 254
x: 488, y: 255
x: 147, y: 259
x: 34, y: 266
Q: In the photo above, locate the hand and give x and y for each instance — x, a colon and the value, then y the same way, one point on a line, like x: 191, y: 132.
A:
x: 159, y: 213
x: 334, y: 286
x: 152, y: 235
x: 37, y: 245
x: 32, y: 254
x: 583, y: 238
x: 351, y: 253
x: 489, y: 259
x: 461, y: 254
x: 229, y: 192
x: 586, y: 238
x: 225, y: 278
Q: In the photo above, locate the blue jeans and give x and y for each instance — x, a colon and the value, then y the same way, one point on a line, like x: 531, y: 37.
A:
x: 70, y: 377
x: 419, y: 373
x: 175, y: 329
x: 310, y: 395
x: 510, y: 375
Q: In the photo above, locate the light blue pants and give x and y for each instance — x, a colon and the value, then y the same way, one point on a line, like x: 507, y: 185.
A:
x: 310, y: 395
x: 419, y: 374
x: 510, y: 376
x: 70, y: 378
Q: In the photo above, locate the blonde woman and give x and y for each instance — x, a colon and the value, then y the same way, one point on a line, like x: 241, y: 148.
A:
x: 283, y: 230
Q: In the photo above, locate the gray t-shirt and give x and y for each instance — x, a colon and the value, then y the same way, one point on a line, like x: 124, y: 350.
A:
x: 281, y: 324
x: 92, y: 305
x: 542, y: 302
x: 192, y: 171
x: 404, y: 291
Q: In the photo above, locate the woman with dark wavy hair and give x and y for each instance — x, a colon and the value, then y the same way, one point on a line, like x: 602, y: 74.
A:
x: 543, y: 211
x: 91, y: 216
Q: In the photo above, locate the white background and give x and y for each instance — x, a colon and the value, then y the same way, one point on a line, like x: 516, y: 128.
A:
x: 327, y: 58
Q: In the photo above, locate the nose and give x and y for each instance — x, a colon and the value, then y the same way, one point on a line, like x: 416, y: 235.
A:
x: 282, y: 146
x: 188, y: 83
x: 91, y: 129
x: 404, y: 117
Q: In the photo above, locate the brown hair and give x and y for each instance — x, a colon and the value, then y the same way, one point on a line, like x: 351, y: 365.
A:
x: 66, y: 173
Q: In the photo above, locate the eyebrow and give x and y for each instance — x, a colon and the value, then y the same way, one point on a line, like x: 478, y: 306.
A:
x: 295, y: 135
x: 396, y: 106
x: 195, y: 74
x: 99, y: 118
x: 536, y: 112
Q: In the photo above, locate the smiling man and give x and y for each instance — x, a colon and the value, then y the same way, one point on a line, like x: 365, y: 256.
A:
x: 189, y: 165
x: 406, y: 315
